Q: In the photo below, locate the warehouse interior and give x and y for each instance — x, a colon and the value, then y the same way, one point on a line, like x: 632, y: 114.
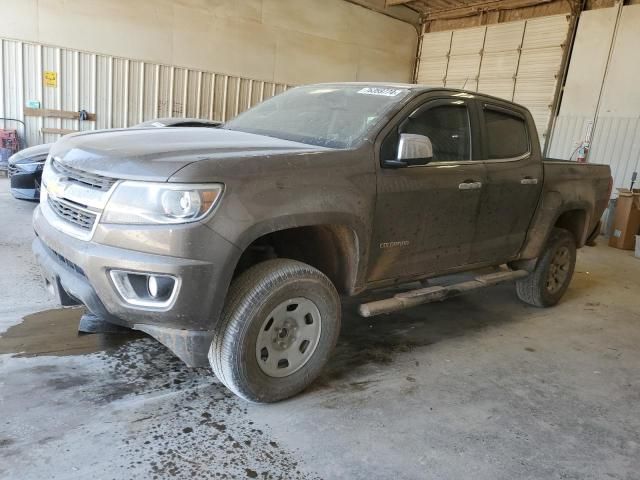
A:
x: 477, y: 385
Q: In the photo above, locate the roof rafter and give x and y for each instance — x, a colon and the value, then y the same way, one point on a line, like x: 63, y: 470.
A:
x: 470, y: 9
x: 400, y: 12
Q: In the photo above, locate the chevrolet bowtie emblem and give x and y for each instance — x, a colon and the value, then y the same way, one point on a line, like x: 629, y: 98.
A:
x: 58, y: 189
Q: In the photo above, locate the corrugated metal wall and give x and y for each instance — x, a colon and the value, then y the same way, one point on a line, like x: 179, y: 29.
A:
x: 518, y: 61
x: 120, y: 91
x: 615, y: 142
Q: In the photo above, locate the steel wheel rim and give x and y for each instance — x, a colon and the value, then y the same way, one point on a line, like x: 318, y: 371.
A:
x: 288, y: 337
x: 558, y: 269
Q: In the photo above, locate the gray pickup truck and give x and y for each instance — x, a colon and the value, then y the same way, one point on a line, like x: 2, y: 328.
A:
x: 232, y: 246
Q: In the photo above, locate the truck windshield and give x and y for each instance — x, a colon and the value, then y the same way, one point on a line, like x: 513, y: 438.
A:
x: 323, y: 115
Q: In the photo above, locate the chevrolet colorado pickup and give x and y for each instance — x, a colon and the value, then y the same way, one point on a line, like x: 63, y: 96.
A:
x: 232, y: 246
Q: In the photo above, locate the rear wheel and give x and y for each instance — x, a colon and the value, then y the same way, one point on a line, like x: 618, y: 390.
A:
x: 547, y: 283
x: 277, y: 331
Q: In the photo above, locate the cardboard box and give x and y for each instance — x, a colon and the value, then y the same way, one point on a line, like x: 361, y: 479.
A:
x: 626, y: 223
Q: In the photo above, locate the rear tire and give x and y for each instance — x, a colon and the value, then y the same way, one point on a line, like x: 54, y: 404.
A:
x: 278, y: 328
x: 548, y: 282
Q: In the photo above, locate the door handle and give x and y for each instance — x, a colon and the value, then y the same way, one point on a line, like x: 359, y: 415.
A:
x: 470, y: 186
x: 529, y: 181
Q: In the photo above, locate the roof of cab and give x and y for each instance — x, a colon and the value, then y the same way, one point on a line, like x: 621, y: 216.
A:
x: 422, y: 88
x: 407, y: 86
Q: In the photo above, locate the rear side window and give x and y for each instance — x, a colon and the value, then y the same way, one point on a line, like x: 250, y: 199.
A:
x: 506, y: 134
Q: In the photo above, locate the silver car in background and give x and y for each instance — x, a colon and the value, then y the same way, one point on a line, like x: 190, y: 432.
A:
x: 25, y: 167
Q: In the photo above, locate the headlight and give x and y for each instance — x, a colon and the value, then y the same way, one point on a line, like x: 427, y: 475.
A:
x: 160, y: 203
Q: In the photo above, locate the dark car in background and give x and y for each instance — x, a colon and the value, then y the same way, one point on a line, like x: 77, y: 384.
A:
x: 25, y: 167
x: 25, y: 171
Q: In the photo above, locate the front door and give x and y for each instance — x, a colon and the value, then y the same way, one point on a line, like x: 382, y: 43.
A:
x: 426, y: 215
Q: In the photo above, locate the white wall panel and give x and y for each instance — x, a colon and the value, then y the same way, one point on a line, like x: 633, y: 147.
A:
x: 87, y: 86
x: 32, y: 85
x: 12, y: 85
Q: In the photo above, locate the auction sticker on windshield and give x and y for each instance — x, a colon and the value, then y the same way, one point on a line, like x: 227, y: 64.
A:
x: 385, y: 92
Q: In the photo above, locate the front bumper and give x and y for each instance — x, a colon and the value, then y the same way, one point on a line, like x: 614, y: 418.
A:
x: 77, y: 271
x: 25, y: 185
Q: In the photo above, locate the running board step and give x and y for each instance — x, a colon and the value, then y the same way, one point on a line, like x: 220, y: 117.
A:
x: 412, y: 298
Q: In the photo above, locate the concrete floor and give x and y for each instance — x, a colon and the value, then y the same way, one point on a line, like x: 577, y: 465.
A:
x: 479, y: 387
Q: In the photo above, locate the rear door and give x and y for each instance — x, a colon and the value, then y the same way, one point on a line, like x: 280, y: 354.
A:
x: 513, y: 182
x: 425, y: 215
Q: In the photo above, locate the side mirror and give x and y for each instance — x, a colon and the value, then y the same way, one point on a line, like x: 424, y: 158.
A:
x: 413, y: 149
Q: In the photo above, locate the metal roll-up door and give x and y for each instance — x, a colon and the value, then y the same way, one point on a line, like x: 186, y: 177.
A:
x: 464, y: 58
x: 500, y: 59
x: 539, y: 68
x: 518, y: 61
x: 434, y: 60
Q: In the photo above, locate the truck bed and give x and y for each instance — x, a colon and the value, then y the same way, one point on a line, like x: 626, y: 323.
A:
x: 557, y: 171
x: 580, y: 185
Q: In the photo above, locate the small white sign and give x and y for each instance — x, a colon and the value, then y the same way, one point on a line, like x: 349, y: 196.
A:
x: 385, y: 92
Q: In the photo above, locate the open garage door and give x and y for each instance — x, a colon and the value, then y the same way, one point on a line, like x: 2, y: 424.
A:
x: 519, y: 61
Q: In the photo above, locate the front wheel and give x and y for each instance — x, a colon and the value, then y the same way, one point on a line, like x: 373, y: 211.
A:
x: 277, y: 331
x: 550, y: 279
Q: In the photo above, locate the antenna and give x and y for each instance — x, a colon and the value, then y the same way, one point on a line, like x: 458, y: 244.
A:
x: 465, y: 83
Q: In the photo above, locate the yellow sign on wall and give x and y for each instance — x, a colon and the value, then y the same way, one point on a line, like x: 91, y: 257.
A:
x: 50, y: 79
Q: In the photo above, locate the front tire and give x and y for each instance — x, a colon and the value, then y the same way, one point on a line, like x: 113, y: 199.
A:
x: 277, y: 331
x: 546, y: 285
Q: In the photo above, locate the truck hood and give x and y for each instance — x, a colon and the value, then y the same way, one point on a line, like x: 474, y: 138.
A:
x: 157, y: 153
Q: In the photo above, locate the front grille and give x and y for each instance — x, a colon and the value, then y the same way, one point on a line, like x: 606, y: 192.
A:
x: 92, y: 180
x: 73, y: 213
x: 12, y: 170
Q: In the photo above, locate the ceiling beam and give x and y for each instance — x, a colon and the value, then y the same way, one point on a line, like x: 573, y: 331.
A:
x: 481, y: 7
x: 399, y: 12
x: 391, y: 3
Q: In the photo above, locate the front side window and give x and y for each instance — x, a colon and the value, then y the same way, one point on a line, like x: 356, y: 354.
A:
x: 335, y: 116
x: 447, y: 126
x: 507, y: 135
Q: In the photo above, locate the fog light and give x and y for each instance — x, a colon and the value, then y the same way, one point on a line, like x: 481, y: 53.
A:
x: 152, y: 285
x: 146, y: 289
x: 159, y: 287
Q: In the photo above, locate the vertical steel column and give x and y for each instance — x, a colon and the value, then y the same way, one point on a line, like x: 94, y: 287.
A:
x: 606, y: 73
x: 577, y: 9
